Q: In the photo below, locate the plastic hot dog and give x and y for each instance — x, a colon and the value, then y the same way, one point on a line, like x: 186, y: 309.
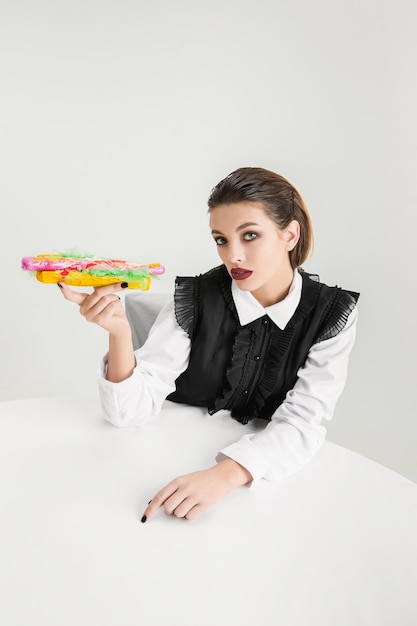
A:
x: 76, y: 269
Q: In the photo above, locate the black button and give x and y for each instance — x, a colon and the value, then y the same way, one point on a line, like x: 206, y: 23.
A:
x: 264, y: 321
x: 245, y: 392
x: 256, y: 358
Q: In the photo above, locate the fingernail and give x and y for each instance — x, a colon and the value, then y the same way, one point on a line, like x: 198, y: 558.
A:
x: 149, y: 501
x: 59, y: 285
x: 123, y: 285
x: 143, y: 520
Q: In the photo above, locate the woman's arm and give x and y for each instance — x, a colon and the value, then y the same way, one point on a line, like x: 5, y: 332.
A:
x: 287, y: 443
x: 295, y: 432
x: 190, y: 495
x: 104, y: 308
x: 133, y: 384
x: 158, y: 363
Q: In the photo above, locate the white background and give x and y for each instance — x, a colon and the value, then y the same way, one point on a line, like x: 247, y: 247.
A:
x: 117, y: 118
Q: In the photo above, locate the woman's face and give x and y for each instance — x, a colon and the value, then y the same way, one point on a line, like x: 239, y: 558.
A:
x: 254, y: 250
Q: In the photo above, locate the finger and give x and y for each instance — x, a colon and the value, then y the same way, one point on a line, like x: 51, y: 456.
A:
x: 91, y: 309
x: 71, y: 295
x: 184, y: 508
x: 195, y: 511
x: 79, y: 297
x: 158, y: 500
x: 178, y: 504
x: 101, y: 292
x: 106, y: 289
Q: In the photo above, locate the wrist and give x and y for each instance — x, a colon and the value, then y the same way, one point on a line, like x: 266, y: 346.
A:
x: 120, y: 331
x: 121, y: 358
x: 234, y: 473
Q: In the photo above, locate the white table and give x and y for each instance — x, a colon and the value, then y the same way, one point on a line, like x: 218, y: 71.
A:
x: 334, y: 545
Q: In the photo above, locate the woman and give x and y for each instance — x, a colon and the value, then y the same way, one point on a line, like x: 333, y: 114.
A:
x: 256, y: 336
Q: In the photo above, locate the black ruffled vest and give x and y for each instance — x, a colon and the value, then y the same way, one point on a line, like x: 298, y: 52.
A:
x: 249, y: 369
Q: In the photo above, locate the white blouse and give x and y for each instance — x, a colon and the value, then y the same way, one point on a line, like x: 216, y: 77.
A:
x: 295, y: 431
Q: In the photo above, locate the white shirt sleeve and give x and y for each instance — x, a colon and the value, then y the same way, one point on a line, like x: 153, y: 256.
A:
x: 295, y: 431
x: 159, y: 362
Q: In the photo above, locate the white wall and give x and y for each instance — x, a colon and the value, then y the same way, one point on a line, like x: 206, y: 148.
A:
x: 117, y: 118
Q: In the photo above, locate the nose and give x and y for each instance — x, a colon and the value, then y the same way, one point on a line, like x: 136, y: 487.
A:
x: 235, y: 253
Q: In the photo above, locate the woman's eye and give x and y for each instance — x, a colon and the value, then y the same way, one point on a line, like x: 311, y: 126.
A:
x: 220, y: 241
x: 249, y: 236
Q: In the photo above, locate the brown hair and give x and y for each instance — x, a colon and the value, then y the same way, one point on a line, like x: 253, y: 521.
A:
x: 281, y: 202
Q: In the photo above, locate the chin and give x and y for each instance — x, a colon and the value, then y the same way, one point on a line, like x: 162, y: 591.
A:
x: 243, y: 285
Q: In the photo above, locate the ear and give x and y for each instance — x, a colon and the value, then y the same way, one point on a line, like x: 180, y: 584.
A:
x: 292, y: 234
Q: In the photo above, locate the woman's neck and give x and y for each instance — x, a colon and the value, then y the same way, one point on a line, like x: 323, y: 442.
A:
x: 268, y: 295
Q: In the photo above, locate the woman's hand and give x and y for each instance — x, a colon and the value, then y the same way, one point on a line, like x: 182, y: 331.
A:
x: 102, y: 307
x: 188, y: 496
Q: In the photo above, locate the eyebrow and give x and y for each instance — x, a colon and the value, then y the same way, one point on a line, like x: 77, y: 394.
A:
x: 241, y: 227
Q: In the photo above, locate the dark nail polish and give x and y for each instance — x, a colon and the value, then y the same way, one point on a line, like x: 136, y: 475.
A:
x: 143, y: 520
x: 123, y: 285
x: 59, y: 285
x: 149, y: 501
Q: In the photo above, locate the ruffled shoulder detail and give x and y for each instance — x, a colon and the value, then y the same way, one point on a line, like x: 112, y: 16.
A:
x: 336, y: 316
x: 225, y: 282
x: 187, y: 302
x: 309, y: 297
x: 188, y: 295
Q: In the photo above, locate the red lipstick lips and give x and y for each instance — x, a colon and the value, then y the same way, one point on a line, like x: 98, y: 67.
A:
x: 240, y: 273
